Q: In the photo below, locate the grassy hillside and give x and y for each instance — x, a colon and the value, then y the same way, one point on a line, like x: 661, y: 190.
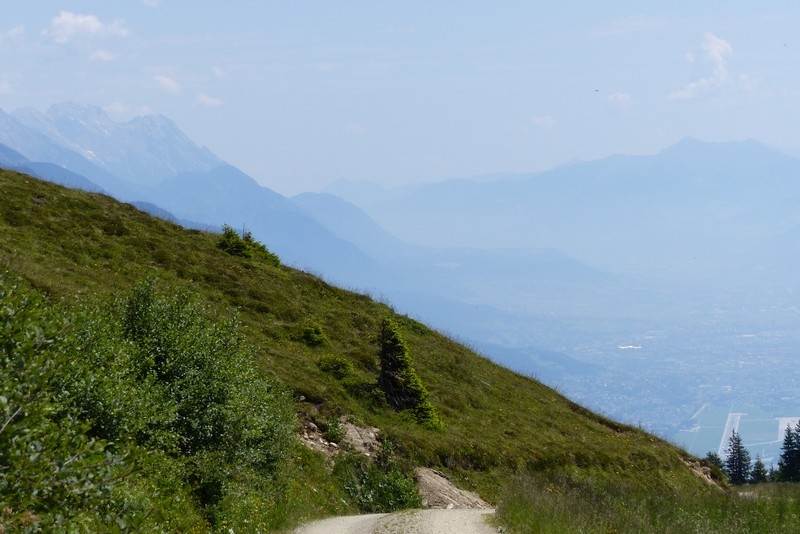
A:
x: 80, y: 248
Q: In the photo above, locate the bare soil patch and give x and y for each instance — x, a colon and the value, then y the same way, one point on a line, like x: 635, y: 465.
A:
x: 435, y: 488
x: 437, y: 491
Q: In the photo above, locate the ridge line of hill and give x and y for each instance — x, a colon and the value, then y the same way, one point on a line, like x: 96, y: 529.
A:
x: 86, y: 247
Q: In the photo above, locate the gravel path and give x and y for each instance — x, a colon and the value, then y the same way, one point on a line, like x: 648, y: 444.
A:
x: 433, y: 521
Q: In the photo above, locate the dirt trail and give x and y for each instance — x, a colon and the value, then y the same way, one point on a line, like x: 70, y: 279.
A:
x: 433, y: 521
x: 448, y: 509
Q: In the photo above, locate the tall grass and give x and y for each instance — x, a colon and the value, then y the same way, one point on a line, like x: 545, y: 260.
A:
x: 571, y: 502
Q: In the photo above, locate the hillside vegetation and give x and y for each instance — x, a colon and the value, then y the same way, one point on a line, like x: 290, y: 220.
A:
x: 320, y: 345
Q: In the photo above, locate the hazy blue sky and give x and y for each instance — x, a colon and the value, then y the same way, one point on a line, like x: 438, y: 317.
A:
x: 299, y: 94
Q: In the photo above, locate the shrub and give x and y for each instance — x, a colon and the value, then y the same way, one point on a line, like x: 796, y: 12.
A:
x: 312, y: 335
x: 380, y: 486
x: 231, y: 243
x: 156, y: 371
x: 246, y: 246
x: 260, y: 252
x: 425, y: 414
x: 337, y: 366
x: 334, y: 431
x: 53, y: 476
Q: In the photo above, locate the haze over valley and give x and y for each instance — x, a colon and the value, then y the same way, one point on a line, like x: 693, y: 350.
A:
x: 659, y: 290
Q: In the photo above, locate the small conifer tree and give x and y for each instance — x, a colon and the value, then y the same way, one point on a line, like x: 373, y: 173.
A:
x: 399, y: 381
x: 245, y: 246
x: 713, y: 459
x: 759, y: 473
x: 789, y: 463
x: 737, y: 462
x: 231, y: 243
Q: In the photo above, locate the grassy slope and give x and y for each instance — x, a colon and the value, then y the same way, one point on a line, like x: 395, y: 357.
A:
x: 70, y: 243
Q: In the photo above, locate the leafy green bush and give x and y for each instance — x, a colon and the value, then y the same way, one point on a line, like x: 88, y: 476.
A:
x: 379, y: 486
x: 52, y: 475
x: 312, y: 335
x: 260, y: 252
x: 156, y: 371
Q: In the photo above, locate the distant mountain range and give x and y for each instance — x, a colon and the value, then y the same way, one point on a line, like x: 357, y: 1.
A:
x: 537, y: 270
x: 706, y: 211
x: 143, y: 151
x: 149, y: 160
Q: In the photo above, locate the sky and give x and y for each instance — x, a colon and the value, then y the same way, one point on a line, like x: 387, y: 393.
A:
x: 301, y: 94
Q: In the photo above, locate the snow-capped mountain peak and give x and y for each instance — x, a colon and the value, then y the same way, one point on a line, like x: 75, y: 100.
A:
x: 144, y: 151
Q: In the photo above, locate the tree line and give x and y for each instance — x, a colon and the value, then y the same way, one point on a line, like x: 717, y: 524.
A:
x: 739, y: 468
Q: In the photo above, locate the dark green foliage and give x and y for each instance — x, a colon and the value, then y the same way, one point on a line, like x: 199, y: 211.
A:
x: 737, y: 461
x: 312, y: 335
x: 190, y: 362
x: 425, y: 414
x: 52, y: 475
x: 232, y: 243
x: 207, y: 404
x: 399, y: 381
x: 260, y: 252
x: 714, y: 463
x: 379, y: 486
x: 789, y: 463
x: 759, y: 473
x: 713, y: 460
x: 245, y: 246
x: 155, y: 373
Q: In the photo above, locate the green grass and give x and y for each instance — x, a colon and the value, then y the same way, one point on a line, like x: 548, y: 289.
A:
x: 80, y: 247
x: 572, y: 502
